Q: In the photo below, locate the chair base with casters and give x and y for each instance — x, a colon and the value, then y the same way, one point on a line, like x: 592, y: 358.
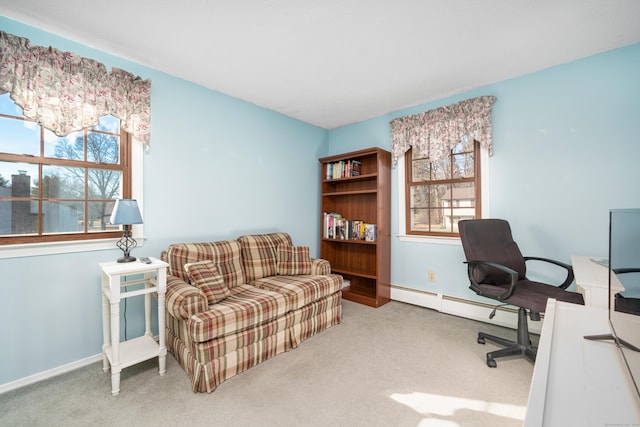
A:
x: 522, y: 347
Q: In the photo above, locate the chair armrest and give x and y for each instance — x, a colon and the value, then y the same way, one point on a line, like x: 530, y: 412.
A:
x: 184, y: 300
x: 568, y: 280
x: 472, y: 265
x: 320, y: 266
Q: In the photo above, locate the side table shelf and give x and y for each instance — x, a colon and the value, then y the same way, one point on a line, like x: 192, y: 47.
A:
x: 148, y: 279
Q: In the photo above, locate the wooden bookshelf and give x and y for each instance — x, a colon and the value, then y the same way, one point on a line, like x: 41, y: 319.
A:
x: 363, y: 197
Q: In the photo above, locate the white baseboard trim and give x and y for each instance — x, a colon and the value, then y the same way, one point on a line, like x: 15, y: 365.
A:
x: 505, y: 316
x: 22, y: 382
x: 41, y: 376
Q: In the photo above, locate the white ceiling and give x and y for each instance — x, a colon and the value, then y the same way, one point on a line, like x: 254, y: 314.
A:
x: 336, y: 62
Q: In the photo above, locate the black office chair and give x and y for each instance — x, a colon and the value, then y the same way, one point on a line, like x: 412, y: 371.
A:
x: 497, y: 270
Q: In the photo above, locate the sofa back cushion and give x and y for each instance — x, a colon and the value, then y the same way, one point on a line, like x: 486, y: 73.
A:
x: 224, y: 254
x: 259, y: 254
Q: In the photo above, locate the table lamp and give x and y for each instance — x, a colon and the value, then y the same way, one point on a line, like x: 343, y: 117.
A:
x: 126, y: 212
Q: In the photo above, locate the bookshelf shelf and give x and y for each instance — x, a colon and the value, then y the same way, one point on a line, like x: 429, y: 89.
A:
x: 351, y: 241
x: 364, y: 196
x: 349, y: 193
x: 352, y: 178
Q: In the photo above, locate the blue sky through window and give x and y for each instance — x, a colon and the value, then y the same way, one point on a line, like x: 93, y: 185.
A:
x: 23, y: 137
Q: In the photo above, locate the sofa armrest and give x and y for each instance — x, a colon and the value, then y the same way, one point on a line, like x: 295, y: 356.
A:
x: 183, y: 299
x: 320, y: 266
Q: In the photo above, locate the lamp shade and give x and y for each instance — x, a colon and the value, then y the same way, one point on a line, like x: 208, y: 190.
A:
x: 126, y: 212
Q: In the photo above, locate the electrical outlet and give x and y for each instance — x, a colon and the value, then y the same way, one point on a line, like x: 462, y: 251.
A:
x: 432, y: 276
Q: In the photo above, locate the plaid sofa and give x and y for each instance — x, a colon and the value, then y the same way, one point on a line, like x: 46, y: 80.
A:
x: 261, y: 296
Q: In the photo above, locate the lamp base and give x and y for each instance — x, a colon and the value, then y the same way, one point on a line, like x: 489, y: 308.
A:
x: 127, y: 258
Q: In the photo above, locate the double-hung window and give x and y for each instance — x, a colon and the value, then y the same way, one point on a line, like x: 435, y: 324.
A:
x: 439, y: 193
x: 56, y: 189
x: 440, y: 178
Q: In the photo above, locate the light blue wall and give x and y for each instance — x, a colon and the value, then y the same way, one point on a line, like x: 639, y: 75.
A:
x: 566, y: 150
x: 218, y: 168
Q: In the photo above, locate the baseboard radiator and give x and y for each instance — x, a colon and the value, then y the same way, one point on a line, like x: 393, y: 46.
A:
x: 506, y: 316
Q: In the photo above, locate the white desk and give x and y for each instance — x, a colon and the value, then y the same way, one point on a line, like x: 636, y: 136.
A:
x: 592, y: 281
x: 116, y: 355
x: 578, y: 382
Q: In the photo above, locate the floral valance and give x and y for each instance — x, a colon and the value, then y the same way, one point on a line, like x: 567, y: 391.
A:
x: 65, y: 92
x: 433, y: 133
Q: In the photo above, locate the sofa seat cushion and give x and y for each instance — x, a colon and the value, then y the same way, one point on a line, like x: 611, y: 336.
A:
x: 213, y: 349
x: 224, y: 254
x: 301, y: 290
x: 245, y: 307
x: 259, y: 254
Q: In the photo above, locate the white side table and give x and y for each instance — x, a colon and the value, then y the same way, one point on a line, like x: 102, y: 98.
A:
x: 147, y: 279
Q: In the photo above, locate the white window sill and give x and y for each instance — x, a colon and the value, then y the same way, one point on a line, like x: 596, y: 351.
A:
x: 431, y: 240
x: 55, y: 248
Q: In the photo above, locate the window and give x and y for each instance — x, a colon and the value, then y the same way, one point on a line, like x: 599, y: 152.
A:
x: 438, y: 194
x: 55, y: 189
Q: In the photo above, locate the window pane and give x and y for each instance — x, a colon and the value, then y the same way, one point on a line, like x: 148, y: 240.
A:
x: 420, y: 220
x: 7, y: 106
x: 465, y: 145
x: 62, y: 217
x: 104, y: 184
x: 439, y: 200
x: 5, y: 214
x: 99, y: 214
x: 421, y: 170
x: 20, y: 137
x: 69, y: 147
x: 62, y: 182
x: 460, y: 206
x: 464, y: 199
x: 420, y: 196
x: 439, y: 195
x: 103, y: 148
x: 439, y: 221
x: 20, y: 217
x: 18, y: 179
x: 108, y: 124
x: 441, y: 169
x: 463, y: 166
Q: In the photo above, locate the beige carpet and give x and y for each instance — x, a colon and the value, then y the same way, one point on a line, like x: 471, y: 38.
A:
x: 398, y: 365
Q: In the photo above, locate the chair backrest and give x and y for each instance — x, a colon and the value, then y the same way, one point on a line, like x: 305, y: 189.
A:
x: 491, y: 240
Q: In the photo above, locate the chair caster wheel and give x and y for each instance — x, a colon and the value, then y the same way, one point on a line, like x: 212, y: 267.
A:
x: 491, y: 363
x: 480, y: 340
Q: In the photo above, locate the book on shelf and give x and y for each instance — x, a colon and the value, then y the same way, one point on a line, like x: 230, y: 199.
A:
x: 370, y: 233
x: 343, y: 169
x: 355, y: 167
x: 339, y: 228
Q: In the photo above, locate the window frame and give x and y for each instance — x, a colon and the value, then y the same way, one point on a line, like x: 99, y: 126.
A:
x: 132, y: 155
x: 439, y: 238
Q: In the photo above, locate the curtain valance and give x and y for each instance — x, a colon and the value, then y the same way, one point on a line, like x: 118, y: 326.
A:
x: 65, y: 92
x: 433, y: 133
